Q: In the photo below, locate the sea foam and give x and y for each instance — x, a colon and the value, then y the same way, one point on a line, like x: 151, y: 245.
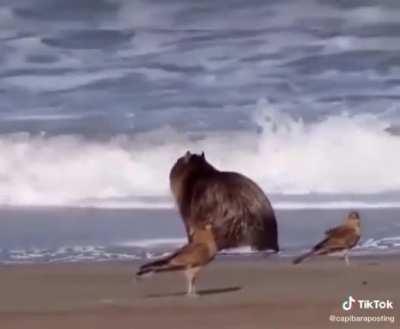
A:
x: 286, y: 156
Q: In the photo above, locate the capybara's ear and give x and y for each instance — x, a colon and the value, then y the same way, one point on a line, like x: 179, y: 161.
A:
x: 187, y: 156
x: 203, y: 155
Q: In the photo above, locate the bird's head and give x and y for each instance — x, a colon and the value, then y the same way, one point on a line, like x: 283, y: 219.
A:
x: 353, y: 219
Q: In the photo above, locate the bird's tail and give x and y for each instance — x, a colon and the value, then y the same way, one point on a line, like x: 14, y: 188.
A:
x: 162, y: 265
x: 299, y: 259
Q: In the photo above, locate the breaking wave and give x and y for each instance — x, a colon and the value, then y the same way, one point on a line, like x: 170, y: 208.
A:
x: 338, y: 154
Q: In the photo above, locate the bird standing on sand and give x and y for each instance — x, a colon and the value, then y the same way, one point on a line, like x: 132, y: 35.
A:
x: 341, y: 238
x: 190, y: 258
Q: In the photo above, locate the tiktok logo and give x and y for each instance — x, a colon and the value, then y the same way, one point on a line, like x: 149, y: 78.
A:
x: 348, y: 303
x: 367, y: 304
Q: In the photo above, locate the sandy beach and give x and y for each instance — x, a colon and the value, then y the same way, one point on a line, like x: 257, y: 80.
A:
x: 246, y: 293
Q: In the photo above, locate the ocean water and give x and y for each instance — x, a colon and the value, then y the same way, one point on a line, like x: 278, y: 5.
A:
x: 98, y: 98
x: 109, y: 93
x: 43, y: 235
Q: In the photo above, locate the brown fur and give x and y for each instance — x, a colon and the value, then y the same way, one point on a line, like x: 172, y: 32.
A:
x: 237, y: 208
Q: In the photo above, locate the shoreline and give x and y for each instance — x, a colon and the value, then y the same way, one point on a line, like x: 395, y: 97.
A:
x: 271, y: 257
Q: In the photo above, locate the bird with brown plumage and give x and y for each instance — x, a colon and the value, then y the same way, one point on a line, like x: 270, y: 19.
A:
x: 190, y: 258
x: 340, y: 238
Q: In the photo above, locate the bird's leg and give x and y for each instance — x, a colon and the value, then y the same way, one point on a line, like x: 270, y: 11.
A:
x: 192, y: 290
x: 346, y: 258
x: 191, y: 279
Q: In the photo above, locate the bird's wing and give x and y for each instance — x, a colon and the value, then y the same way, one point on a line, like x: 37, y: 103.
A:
x: 338, y: 238
x: 192, y: 254
x: 337, y: 230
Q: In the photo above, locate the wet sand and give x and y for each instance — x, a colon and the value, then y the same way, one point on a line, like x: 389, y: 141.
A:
x: 234, y: 293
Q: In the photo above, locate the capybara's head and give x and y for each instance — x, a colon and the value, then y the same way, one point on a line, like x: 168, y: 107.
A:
x: 186, y: 165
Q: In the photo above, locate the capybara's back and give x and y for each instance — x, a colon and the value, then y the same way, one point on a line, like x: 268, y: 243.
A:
x: 237, y: 208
